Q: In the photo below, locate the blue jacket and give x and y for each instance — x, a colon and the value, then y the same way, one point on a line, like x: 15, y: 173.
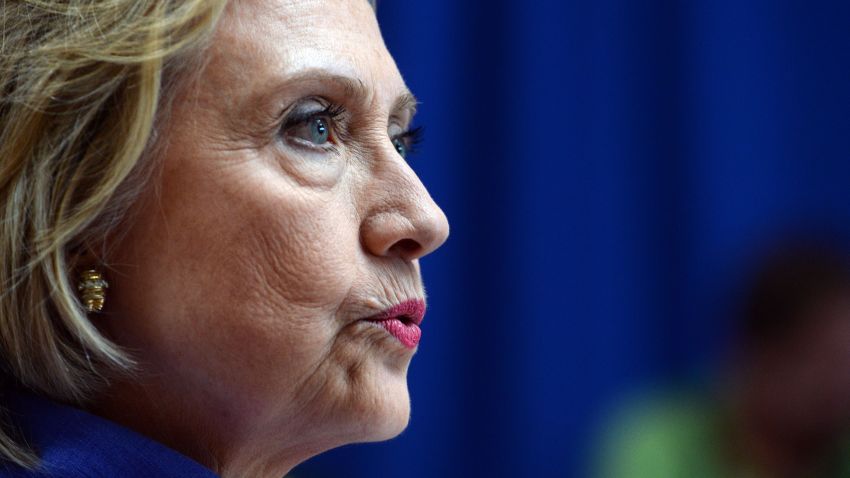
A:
x: 75, y: 444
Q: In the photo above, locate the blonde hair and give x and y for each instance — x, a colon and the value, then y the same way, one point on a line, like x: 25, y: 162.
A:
x: 80, y: 96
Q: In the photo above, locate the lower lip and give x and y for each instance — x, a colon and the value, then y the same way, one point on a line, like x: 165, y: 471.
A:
x: 408, y: 334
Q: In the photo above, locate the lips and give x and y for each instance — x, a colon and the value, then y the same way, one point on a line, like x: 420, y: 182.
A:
x: 402, y: 321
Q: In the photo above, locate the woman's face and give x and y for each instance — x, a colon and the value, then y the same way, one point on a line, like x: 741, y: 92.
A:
x: 284, y: 215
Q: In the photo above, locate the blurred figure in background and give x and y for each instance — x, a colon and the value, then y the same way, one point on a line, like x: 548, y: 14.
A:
x: 782, y: 410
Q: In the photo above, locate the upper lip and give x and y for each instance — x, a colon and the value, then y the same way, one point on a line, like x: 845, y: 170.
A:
x: 413, y: 310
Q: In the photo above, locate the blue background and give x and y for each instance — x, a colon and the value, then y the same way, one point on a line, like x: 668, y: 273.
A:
x: 605, y: 165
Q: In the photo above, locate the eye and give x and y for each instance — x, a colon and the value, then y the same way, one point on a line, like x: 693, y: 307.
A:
x: 316, y: 130
x: 400, y: 147
x: 313, y: 127
x: 406, y: 143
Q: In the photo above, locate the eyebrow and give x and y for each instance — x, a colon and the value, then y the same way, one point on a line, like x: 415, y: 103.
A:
x: 352, y: 87
x: 405, y: 102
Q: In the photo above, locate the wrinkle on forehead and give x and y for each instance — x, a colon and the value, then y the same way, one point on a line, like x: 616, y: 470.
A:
x: 310, y: 16
x: 271, y: 40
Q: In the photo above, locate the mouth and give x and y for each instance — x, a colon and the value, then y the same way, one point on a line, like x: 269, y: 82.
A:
x: 402, y: 321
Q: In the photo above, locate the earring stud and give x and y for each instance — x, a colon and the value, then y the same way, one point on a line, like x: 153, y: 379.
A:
x: 92, y: 287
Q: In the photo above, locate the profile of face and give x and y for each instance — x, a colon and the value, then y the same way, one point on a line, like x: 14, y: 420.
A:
x: 285, y: 214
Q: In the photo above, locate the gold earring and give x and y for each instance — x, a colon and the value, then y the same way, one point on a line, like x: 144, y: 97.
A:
x: 93, y: 290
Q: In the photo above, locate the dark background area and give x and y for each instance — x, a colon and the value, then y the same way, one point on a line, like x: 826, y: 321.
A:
x: 607, y: 167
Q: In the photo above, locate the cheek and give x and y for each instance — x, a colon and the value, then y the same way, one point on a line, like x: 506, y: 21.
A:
x: 285, y: 265
x: 271, y: 321
x: 235, y: 285
x: 298, y: 254
x: 289, y: 269
x: 232, y: 284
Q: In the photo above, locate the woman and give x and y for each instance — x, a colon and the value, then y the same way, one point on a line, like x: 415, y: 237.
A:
x: 210, y: 235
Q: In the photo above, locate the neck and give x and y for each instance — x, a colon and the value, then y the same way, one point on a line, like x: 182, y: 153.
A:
x: 225, y: 448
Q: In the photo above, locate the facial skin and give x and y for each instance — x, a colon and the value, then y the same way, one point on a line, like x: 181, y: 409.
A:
x: 241, y: 281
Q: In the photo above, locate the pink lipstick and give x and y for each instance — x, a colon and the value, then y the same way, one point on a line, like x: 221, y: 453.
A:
x: 402, y: 321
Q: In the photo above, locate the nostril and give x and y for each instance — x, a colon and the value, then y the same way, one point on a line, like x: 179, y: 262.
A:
x: 405, y: 248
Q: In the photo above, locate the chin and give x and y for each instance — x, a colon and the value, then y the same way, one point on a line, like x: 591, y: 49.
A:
x: 385, y: 412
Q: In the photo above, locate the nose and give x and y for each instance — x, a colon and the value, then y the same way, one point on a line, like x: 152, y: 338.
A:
x: 406, y: 222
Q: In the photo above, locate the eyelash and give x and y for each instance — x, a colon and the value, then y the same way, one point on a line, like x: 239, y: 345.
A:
x: 412, y: 139
x: 333, y: 112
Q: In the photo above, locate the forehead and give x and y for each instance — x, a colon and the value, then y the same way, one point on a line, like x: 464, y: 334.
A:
x: 261, y: 41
